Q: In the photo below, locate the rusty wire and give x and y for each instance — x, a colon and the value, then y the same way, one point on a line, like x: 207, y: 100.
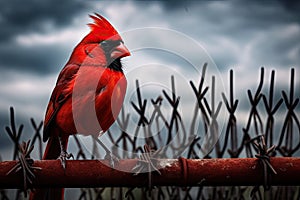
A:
x: 3, y: 193
x: 205, y: 113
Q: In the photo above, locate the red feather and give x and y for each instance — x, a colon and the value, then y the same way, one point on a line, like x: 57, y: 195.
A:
x: 88, y: 94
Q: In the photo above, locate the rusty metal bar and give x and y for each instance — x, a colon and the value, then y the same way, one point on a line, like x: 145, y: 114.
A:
x: 175, y: 172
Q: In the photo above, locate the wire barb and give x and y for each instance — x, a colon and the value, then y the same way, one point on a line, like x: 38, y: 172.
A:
x: 146, y: 164
x: 264, y: 154
x: 25, y: 164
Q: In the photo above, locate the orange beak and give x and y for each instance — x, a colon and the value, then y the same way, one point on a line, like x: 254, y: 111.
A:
x: 120, y: 51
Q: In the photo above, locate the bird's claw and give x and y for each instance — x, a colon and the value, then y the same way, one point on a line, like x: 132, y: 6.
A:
x: 63, y: 157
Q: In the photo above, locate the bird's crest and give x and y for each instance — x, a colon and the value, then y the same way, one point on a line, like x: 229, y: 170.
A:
x: 101, y: 29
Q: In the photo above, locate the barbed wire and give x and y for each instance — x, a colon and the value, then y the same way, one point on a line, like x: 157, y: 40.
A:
x: 175, y: 136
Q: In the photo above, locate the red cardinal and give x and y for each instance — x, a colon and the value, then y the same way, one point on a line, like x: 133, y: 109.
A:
x: 88, y: 95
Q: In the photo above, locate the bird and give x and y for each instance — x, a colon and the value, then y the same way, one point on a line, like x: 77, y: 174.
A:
x: 88, y: 94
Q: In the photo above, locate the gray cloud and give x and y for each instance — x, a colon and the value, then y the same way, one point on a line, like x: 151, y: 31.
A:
x: 19, y: 17
x: 38, y: 59
x: 35, y: 17
x: 234, y: 32
x: 3, y: 136
x: 291, y: 5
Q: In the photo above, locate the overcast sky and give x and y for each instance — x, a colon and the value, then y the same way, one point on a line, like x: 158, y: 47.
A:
x: 37, y: 37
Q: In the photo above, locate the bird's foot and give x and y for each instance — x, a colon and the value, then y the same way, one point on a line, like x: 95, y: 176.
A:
x: 113, y: 160
x: 63, y: 157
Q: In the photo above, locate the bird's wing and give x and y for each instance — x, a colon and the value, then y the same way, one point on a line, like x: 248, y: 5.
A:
x: 59, y: 95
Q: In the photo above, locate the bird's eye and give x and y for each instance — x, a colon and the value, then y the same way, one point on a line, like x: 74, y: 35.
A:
x: 104, y: 44
x: 109, y: 44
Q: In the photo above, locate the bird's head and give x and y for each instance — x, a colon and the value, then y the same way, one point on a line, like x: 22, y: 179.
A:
x: 103, y: 46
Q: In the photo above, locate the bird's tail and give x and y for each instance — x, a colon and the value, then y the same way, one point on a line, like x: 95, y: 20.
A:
x: 52, y: 152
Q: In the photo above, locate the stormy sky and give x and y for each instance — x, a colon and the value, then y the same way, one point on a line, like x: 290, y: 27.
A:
x: 37, y: 37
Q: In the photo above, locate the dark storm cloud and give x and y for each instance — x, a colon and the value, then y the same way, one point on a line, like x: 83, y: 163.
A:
x: 261, y: 15
x: 241, y: 17
x: 228, y: 28
x: 41, y: 59
x: 291, y: 5
x: 176, y: 4
x: 237, y: 18
x: 19, y: 16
